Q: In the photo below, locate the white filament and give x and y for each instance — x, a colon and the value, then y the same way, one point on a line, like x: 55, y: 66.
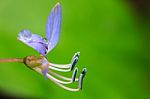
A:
x: 58, y: 69
x: 60, y: 76
x: 57, y: 80
x: 59, y: 84
x: 60, y: 65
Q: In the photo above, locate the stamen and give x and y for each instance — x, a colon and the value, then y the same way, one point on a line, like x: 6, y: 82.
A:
x: 77, y: 54
x: 60, y: 65
x: 63, y: 86
x: 50, y: 77
x: 64, y: 82
x: 74, y: 74
x: 60, y: 76
x: 71, y: 65
x: 58, y: 69
x: 82, y: 75
x: 57, y: 80
x: 74, y: 60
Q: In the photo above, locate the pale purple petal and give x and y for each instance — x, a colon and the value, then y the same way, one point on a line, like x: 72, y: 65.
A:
x: 53, y: 26
x: 37, y: 38
x: 39, y: 47
x: 52, y: 33
x: 33, y: 40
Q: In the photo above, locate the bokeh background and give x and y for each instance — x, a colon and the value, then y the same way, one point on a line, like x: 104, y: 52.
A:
x: 113, y: 37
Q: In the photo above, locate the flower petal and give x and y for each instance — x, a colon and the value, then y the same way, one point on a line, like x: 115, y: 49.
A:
x: 53, y: 26
x: 33, y: 40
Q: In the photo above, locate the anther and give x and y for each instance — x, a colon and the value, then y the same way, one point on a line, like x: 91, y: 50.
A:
x: 74, y: 74
x: 74, y: 60
x: 82, y: 75
x: 73, y: 63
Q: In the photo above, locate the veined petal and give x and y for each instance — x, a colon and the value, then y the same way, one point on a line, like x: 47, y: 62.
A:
x: 53, y: 26
x: 39, y: 47
x: 33, y: 40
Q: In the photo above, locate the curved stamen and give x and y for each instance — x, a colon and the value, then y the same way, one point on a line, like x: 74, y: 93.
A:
x: 65, y: 87
x: 60, y: 76
x: 58, y: 69
x: 74, y: 60
x: 51, y: 77
x: 57, y: 80
x: 79, y: 83
x: 60, y: 65
x: 71, y: 65
x: 74, y: 74
x: 59, y: 84
x: 64, y: 82
x: 82, y: 75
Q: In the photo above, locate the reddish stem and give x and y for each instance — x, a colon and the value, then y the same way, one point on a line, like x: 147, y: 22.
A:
x: 20, y: 60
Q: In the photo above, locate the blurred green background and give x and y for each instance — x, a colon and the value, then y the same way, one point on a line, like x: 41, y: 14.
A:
x: 113, y: 37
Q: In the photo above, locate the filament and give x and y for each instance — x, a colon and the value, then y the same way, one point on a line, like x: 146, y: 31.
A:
x: 60, y: 76
x: 65, y: 87
x: 60, y: 65
x: 59, y: 84
x: 71, y: 65
x: 58, y: 69
x: 57, y: 80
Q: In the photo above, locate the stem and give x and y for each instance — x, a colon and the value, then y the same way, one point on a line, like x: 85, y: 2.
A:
x: 20, y: 60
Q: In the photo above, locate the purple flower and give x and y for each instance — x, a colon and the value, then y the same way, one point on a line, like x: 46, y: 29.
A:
x: 44, y: 45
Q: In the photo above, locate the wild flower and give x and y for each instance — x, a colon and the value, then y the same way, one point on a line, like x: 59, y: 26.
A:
x: 42, y: 45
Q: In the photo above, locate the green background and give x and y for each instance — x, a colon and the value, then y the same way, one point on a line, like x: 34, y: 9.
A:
x: 114, y: 46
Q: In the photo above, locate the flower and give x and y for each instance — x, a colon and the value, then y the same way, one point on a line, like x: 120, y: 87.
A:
x: 44, y: 45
